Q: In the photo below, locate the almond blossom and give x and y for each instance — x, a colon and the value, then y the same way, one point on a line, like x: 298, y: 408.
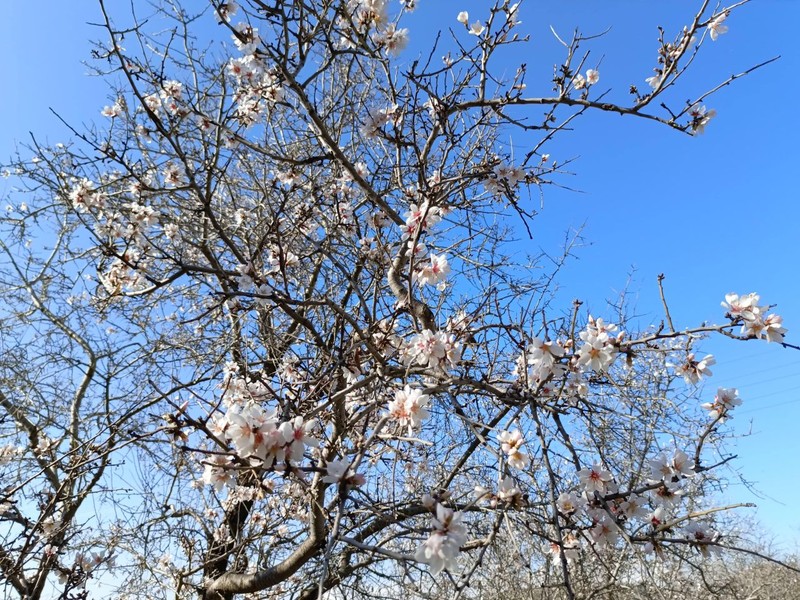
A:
x: 634, y: 507
x: 744, y: 307
x: 296, y: 434
x: 569, y: 503
x: 769, y: 328
x: 657, y: 517
x: 448, y: 534
x: 435, y: 272
x: 570, y: 546
x: 422, y: 216
x: 508, y: 491
x: 112, y: 111
x: 605, y: 531
x: 667, y: 496
x: 84, y: 197
x: 219, y: 472
x: 408, y: 408
x: 716, y: 28
x: 595, y: 479
x: 510, y: 442
x: 436, y: 350
x: 339, y: 471
x: 258, y: 435
x: 725, y: 401
x: 654, y: 80
x: 246, y: 38
x: 694, y: 370
x: 753, y: 318
x: 543, y: 360
x: 596, y: 354
x: 701, y: 537
x: 476, y: 28
x: 681, y: 464
x: 663, y: 468
x: 700, y: 118
x: 392, y: 39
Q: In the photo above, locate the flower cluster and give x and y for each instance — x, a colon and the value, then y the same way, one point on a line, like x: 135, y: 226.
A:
x: 476, y: 28
x: 83, y: 563
x: 433, y: 272
x: 507, y: 493
x: 125, y: 274
x: 599, y: 349
x: 257, y: 434
x: 600, y: 502
x: 436, y: 350
x: 504, y: 178
x: 580, y: 82
x: 701, y: 537
x: 511, y: 442
x: 755, y: 321
x: 725, y: 401
x: 112, y: 111
x: 218, y: 472
x: 369, y: 13
x: 570, y: 546
x: 570, y: 503
x: 670, y: 470
x: 10, y: 453
x: 408, y: 408
x: 693, y: 370
x: 259, y: 89
x: 543, y: 361
x: 84, y: 197
x: 379, y: 118
x: 420, y: 217
x: 340, y: 471
x: 391, y: 39
x: 441, y: 548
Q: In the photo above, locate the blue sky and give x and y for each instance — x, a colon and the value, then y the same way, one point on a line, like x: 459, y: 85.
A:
x: 716, y: 213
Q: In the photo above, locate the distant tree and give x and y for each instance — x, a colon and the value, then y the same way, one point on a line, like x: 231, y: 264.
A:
x: 264, y: 331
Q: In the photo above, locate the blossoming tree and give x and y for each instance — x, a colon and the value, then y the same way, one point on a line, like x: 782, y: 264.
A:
x: 263, y: 333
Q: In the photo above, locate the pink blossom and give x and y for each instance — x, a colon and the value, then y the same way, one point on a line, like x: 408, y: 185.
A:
x: 408, y: 408
x: 435, y: 272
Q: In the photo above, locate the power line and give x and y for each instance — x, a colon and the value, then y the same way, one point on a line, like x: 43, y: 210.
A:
x: 775, y: 405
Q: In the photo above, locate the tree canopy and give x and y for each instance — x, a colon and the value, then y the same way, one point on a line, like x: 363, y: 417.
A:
x: 268, y: 329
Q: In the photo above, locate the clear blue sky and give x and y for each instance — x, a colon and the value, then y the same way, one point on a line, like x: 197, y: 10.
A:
x: 716, y: 213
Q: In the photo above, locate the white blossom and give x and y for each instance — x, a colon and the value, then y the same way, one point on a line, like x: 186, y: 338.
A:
x: 725, y: 401
x: 595, y: 479
x: 510, y: 442
x: 442, y: 547
x: 700, y: 118
x: 716, y: 28
x: 476, y: 28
